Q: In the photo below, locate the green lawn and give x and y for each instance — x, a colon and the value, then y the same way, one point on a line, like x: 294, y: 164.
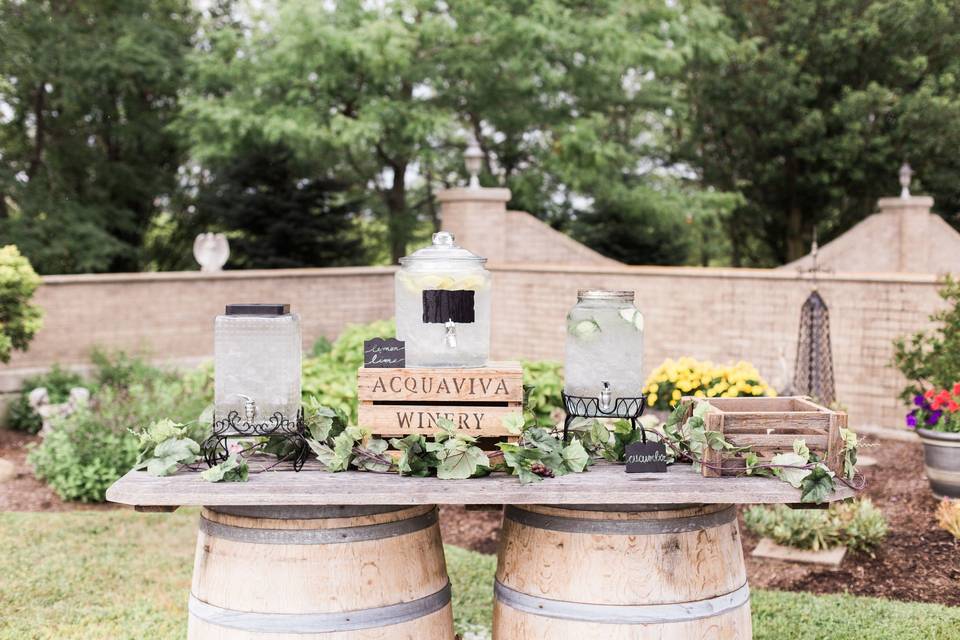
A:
x: 122, y: 575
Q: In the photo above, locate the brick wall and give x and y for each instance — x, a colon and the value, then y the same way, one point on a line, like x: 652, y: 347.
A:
x: 169, y: 316
x: 719, y: 314
x: 733, y: 314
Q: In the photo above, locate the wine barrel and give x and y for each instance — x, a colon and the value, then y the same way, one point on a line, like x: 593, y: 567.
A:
x: 312, y: 573
x: 619, y: 572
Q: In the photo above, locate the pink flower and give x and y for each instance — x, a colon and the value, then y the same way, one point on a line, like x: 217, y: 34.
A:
x: 235, y: 448
x: 956, y: 389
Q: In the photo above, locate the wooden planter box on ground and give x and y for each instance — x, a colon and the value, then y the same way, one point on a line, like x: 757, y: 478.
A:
x: 769, y: 426
x: 767, y: 548
x: 398, y: 402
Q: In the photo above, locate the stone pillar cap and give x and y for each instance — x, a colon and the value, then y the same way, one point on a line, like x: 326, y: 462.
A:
x: 466, y: 194
x: 911, y: 202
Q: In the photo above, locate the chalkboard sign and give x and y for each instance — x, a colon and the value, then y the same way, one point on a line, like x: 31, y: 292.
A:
x: 384, y: 353
x: 646, y: 457
x: 440, y: 306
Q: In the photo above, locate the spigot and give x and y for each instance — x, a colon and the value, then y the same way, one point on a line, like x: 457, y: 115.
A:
x: 606, y: 398
x: 450, y: 335
x: 249, y: 408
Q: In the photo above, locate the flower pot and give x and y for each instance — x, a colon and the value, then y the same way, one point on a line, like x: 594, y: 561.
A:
x: 941, y: 457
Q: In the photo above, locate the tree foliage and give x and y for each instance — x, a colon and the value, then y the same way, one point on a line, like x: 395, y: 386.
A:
x: 19, y: 319
x: 89, y: 89
x: 813, y: 110
x: 561, y: 97
x: 278, y: 215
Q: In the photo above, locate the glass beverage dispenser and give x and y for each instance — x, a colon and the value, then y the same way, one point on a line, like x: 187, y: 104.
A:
x: 604, y: 351
x: 257, y: 350
x: 443, y: 306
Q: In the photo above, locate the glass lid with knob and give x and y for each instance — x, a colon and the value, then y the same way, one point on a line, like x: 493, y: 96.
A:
x: 443, y: 305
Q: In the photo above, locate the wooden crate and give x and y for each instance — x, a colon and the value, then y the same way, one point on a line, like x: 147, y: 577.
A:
x: 769, y: 426
x: 397, y: 402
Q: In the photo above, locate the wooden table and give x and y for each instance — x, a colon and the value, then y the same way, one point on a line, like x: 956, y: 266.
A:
x: 602, y: 554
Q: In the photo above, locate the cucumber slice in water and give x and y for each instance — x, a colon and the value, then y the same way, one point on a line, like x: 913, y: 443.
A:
x: 585, y: 329
x: 634, y: 317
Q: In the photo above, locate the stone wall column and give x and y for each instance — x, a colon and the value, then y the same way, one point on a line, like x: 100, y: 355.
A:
x: 477, y: 217
x: 911, y: 214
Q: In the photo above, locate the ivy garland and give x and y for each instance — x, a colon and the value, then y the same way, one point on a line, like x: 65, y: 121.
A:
x: 450, y: 455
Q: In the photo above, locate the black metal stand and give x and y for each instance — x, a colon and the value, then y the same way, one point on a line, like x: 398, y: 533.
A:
x: 216, y: 448
x: 630, y: 408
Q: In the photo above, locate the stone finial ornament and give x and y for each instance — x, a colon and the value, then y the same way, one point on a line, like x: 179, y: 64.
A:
x: 906, y: 174
x: 211, y: 251
x: 473, y: 159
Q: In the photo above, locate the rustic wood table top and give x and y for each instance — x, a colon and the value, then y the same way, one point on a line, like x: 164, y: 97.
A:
x: 603, y: 483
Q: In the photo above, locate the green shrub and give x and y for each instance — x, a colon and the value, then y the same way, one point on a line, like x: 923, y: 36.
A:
x: 331, y: 377
x: 120, y: 370
x: 81, y: 458
x: 857, y: 525
x: 544, y: 382
x: 87, y: 451
x: 931, y: 359
x: 19, y: 320
x: 57, y: 381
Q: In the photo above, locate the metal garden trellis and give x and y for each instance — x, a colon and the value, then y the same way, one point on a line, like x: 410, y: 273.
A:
x: 814, y: 369
x: 813, y: 373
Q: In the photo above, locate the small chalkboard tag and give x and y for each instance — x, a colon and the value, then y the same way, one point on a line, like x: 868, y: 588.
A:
x: 440, y: 305
x: 646, y: 457
x: 384, y: 353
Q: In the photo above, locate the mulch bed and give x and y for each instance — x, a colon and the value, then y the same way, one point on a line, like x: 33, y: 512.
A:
x: 918, y: 562
x: 24, y: 492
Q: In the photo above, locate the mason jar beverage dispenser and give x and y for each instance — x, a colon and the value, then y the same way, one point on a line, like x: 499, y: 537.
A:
x: 604, y: 347
x: 257, y: 350
x: 443, y: 306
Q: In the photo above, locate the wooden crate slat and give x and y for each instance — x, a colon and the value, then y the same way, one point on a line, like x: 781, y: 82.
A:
x: 835, y: 449
x: 776, y: 419
x: 401, y: 420
x: 799, y: 431
x: 712, y: 460
x: 775, y: 440
x: 499, y: 382
x: 762, y: 404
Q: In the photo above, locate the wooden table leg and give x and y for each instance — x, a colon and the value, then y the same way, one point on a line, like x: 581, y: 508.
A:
x: 621, y: 572
x: 329, y: 573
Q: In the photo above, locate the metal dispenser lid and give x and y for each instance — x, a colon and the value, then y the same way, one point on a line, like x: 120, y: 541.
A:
x: 443, y: 248
x: 257, y: 309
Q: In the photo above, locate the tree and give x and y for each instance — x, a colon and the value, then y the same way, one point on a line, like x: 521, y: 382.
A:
x: 567, y: 99
x: 88, y: 89
x: 278, y: 216
x: 814, y: 109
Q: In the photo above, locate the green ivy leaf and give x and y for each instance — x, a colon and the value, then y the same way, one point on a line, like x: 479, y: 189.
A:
x: 233, y: 469
x: 817, y: 485
x: 169, y: 455
x: 575, y: 457
x: 513, y: 423
x: 790, y: 474
x: 414, y: 459
x: 372, y: 456
x: 461, y: 461
x: 849, y: 453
